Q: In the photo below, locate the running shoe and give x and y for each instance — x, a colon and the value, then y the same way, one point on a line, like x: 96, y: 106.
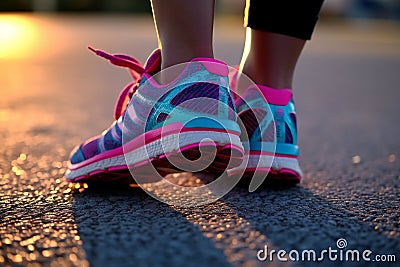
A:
x: 155, y: 123
x: 269, y: 118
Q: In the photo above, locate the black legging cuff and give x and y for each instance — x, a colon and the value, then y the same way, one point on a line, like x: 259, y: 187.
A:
x: 294, y: 18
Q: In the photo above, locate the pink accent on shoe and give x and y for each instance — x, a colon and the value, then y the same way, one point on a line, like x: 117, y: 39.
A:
x: 231, y: 146
x: 118, y: 168
x: 76, y: 179
x: 153, y: 63
x: 256, y: 152
x: 287, y: 171
x: 213, y: 65
x: 233, y: 78
x: 207, y: 129
x: 97, y: 172
x: 142, y: 163
x: 136, y: 70
x: 123, y: 100
x: 280, y: 97
x: 220, y: 69
x: 273, y: 96
x: 120, y: 60
x: 290, y: 175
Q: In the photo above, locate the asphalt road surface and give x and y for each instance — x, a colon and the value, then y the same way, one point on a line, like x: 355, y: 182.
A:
x: 55, y: 94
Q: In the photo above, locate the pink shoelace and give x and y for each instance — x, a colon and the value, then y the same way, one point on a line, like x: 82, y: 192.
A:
x: 136, y: 70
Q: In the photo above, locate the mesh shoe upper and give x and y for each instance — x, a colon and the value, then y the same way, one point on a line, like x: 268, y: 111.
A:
x: 269, y: 116
x: 145, y: 105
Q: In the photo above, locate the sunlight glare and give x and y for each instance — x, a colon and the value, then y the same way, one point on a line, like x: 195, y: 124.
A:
x: 18, y: 36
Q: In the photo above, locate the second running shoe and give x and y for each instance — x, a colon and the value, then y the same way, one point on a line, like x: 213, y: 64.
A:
x: 271, y: 149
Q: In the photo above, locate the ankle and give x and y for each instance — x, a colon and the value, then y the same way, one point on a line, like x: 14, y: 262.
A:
x: 271, y: 78
x: 179, y: 55
x: 173, y: 62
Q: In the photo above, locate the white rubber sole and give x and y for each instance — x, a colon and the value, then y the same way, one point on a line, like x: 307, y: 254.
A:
x: 266, y: 163
x: 166, y: 145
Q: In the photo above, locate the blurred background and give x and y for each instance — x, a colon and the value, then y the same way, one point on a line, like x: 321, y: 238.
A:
x: 387, y: 9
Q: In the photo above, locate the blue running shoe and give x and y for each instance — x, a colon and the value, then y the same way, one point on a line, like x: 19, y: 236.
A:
x: 271, y: 148
x: 150, y: 118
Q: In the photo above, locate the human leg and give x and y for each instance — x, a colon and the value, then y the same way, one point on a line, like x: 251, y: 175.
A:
x: 277, y: 32
x: 270, y: 58
x: 184, y: 29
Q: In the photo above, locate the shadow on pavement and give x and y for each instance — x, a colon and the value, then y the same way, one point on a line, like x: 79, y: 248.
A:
x: 123, y: 226
x: 297, y: 219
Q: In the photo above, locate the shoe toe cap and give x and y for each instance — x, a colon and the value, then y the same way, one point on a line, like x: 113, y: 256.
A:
x: 84, y: 151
